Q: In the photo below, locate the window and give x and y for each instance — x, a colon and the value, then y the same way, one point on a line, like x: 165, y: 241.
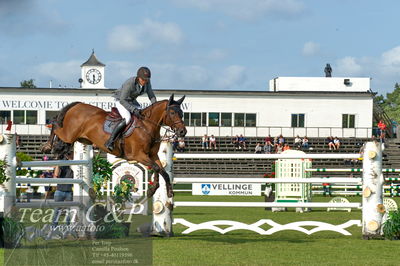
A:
x: 31, y: 117
x: 226, y: 119
x: 213, y: 119
x: 19, y: 117
x: 25, y: 117
x: 51, y: 116
x: 203, y: 119
x: 297, y: 120
x: 186, y: 119
x: 239, y: 120
x: 251, y: 120
x: 348, y: 121
x: 195, y: 119
x: 5, y: 116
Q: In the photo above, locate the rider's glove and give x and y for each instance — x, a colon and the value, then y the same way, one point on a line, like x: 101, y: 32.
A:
x: 137, y: 112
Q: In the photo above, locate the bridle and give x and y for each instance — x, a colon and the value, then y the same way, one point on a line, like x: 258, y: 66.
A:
x: 168, y: 129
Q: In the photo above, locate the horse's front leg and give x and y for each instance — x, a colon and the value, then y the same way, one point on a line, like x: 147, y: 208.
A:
x: 156, y: 185
x: 159, y: 169
x: 155, y: 164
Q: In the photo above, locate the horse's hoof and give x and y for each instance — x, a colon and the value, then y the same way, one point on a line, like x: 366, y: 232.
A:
x: 170, y: 194
x: 150, y: 192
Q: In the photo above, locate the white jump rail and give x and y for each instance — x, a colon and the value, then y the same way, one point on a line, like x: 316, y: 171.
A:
x: 372, y: 205
x: 267, y: 204
x: 82, y: 181
x: 264, y: 156
x: 338, y: 180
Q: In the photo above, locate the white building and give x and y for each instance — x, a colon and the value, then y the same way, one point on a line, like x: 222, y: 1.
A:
x: 312, y: 106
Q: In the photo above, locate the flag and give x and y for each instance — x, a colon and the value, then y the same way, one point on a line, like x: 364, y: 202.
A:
x: 9, y: 124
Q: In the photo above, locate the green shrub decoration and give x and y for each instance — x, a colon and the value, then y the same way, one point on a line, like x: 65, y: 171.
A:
x: 13, y: 233
x: 391, y: 228
x: 122, y: 192
x: 3, y: 176
x: 102, y: 173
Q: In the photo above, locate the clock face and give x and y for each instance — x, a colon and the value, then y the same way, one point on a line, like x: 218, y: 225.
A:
x: 93, y: 76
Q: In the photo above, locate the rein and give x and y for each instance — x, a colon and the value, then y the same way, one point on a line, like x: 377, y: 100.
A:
x: 166, y: 128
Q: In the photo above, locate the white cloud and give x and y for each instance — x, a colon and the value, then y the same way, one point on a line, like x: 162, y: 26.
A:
x: 61, y: 73
x: 231, y: 77
x: 391, y: 57
x: 137, y: 37
x: 310, y: 48
x: 348, y: 66
x: 216, y: 54
x: 27, y: 17
x: 247, y: 10
x: 197, y: 77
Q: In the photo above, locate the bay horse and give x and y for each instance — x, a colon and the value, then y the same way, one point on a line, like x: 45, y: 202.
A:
x: 84, y: 123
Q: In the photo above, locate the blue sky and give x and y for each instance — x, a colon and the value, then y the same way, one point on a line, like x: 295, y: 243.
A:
x: 199, y: 44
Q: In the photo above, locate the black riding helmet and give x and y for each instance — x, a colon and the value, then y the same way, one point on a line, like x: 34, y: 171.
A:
x: 144, y: 73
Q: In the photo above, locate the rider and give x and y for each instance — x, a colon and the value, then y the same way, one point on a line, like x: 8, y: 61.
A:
x: 126, y: 101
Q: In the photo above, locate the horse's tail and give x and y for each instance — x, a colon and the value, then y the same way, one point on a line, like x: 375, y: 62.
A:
x: 61, y: 114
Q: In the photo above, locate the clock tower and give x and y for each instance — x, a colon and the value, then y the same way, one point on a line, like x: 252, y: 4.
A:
x: 92, y: 73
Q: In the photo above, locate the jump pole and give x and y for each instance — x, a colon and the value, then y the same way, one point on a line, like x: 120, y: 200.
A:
x: 7, y: 189
x: 162, y: 205
x: 372, y: 192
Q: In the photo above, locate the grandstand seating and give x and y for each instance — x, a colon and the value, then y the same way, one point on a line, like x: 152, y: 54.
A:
x: 243, y: 167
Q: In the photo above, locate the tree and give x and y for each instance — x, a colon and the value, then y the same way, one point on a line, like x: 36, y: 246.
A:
x: 391, y: 105
x: 28, y: 84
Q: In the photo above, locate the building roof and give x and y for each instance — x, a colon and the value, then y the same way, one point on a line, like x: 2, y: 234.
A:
x: 197, y: 92
x: 93, y: 61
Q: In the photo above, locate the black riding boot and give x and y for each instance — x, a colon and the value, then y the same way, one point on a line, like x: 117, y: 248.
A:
x: 117, y: 130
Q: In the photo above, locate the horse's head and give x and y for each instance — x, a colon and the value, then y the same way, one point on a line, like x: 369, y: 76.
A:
x: 174, y: 115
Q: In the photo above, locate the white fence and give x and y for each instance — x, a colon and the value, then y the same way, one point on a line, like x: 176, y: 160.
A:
x: 372, y: 205
x: 82, y: 179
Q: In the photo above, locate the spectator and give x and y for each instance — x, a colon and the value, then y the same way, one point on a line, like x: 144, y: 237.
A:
x: 279, y: 148
x: 64, y: 191
x: 18, y: 140
x: 242, y: 142
x: 181, y: 145
x: 286, y: 147
x: 382, y: 129
x: 204, y: 142
x: 305, y: 143
x: 275, y: 143
x: 281, y: 140
x: 235, y: 142
x: 175, y: 143
x: 268, y: 140
x: 268, y: 148
x: 47, y: 189
x: 330, y: 143
x: 258, y: 148
x: 213, y: 142
x: 327, y: 189
x: 297, y: 142
x: 336, y: 141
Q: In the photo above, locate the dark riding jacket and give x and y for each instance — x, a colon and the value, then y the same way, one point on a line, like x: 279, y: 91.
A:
x: 130, y: 90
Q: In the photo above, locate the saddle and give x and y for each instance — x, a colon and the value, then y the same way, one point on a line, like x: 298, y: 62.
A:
x: 113, y: 118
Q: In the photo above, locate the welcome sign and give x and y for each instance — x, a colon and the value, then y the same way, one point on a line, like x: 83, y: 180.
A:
x: 226, y: 189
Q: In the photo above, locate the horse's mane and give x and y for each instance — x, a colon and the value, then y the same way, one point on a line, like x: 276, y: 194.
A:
x: 151, y: 106
x: 64, y: 110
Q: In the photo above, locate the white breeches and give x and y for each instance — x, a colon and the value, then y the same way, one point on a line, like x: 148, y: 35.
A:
x: 123, y: 112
